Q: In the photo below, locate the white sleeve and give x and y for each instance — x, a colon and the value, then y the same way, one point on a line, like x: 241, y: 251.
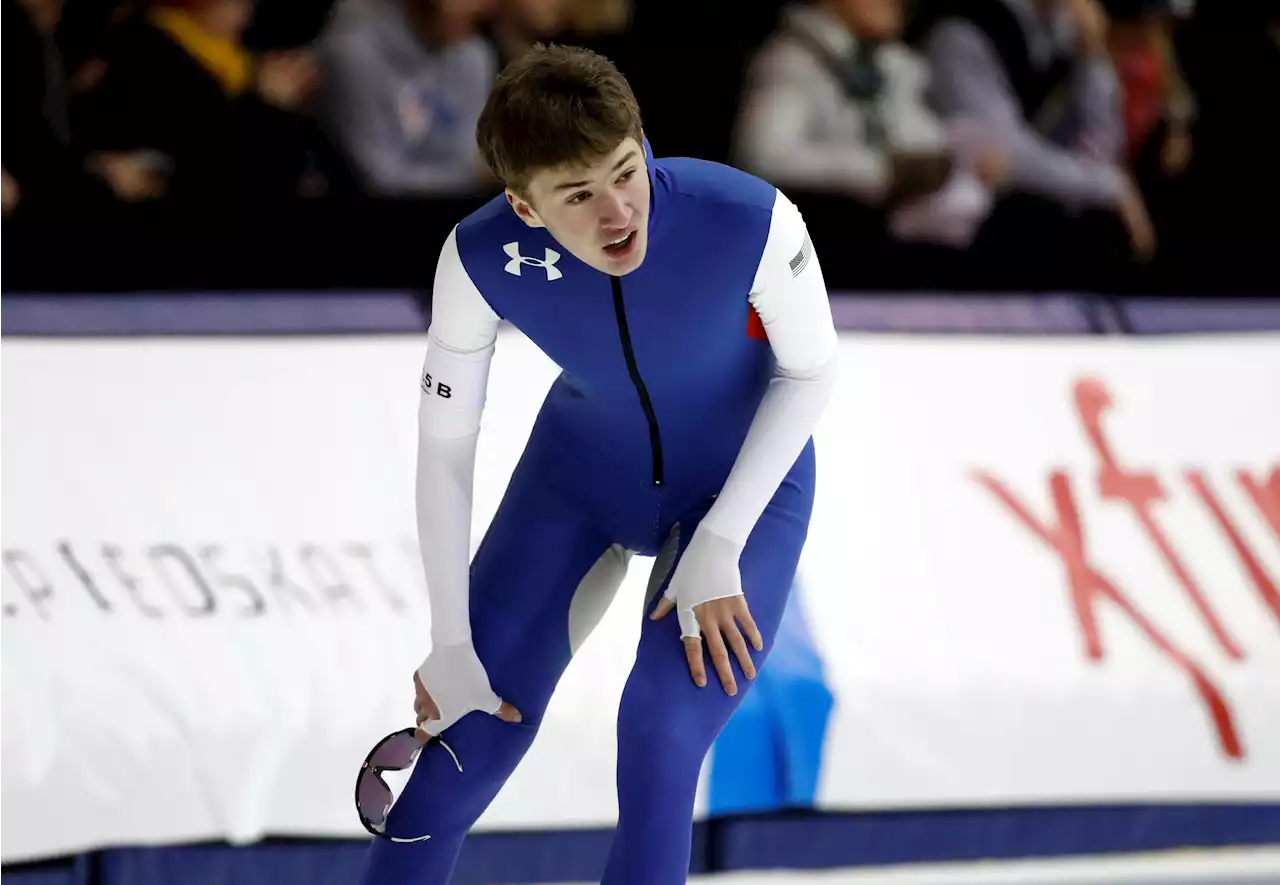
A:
x: 455, y: 376
x: 790, y: 296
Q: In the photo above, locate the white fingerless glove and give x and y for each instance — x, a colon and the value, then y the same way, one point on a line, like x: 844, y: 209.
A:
x: 458, y: 683
x: 707, y: 570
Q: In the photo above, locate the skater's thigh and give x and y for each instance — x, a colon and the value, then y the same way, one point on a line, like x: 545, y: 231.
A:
x: 660, y: 679
x: 541, y: 579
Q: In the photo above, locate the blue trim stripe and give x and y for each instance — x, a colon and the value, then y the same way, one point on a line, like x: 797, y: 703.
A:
x: 795, y: 840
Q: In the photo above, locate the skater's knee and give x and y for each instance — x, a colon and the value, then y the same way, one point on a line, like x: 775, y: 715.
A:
x: 653, y: 725
x: 458, y: 776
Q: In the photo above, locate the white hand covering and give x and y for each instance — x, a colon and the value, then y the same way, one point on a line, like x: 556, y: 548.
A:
x: 458, y: 684
x: 708, y: 570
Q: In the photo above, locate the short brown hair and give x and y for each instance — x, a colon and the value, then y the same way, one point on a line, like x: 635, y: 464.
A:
x: 554, y: 105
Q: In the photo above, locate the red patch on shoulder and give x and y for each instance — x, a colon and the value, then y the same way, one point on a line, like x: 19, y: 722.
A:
x: 755, y: 328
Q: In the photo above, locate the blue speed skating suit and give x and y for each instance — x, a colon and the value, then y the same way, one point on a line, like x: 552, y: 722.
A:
x: 664, y: 374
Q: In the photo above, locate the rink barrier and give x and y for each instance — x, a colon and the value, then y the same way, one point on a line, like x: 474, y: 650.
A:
x: 789, y: 839
x: 402, y: 312
x: 800, y: 841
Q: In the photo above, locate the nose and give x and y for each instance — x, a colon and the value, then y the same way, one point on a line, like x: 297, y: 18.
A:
x: 613, y: 211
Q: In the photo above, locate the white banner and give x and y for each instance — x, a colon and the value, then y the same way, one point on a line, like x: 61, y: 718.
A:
x: 1046, y: 570
x: 213, y: 602
x: 213, y: 598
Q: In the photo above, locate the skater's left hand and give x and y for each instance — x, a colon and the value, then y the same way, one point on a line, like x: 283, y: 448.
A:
x: 706, y: 591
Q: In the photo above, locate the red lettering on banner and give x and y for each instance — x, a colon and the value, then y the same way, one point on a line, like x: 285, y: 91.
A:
x: 1088, y: 583
x: 1265, y: 496
x: 1141, y: 489
x: 1257, y: 574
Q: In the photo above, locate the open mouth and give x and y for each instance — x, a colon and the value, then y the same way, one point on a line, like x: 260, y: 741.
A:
x: 620, y: 248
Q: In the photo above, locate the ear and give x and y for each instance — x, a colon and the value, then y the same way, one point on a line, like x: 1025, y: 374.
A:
x: 524, y: 209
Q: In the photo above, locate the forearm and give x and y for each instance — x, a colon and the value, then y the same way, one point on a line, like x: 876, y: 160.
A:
x: 445, y: 471
x: 453, y: 390
x: 1044, y: 169
x: 970, y: 83
x: 782, y: 427
x: 1099, y: 103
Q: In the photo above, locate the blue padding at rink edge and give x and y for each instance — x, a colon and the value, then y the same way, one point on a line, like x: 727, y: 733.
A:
x: 212, y: 313
x: 486, y: 859
x: 1165, y: 316
x: 70, y: 872
x: 972, y: 313
x: 41, y: 876
x: 776, y: 736
x: 327, y: 313
x: 796, y: 840
x: 816, y: 841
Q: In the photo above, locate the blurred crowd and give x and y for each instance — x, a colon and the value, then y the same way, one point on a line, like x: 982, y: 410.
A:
x: 1107, y: 145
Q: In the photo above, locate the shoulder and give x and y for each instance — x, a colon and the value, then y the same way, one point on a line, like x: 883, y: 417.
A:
x: 462, y: 319
x: 715, y: 185
x: 492, y: 242
x: 488, y: 228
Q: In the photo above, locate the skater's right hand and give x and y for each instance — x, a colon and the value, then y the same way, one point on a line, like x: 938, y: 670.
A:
x: 458, y: 685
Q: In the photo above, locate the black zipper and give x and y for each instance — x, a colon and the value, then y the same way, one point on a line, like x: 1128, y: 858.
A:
x: 655, y: 438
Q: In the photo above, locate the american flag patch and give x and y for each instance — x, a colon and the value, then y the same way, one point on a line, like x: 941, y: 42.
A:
x: 802, y: 257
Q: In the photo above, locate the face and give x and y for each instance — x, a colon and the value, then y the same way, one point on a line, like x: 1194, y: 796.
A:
x: 599, y: 212
x: 226, y: 18
x: 872, y: 19
x: 447, y: 21
x: 45, y: 13
x: 536, y: 17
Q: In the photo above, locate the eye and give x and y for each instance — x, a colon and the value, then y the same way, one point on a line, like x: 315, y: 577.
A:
x: 579, y: 197
x: 626, y: 176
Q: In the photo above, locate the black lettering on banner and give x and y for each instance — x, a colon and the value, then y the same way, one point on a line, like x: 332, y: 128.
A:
x: 113, y: 555
x: 35, y: 585
x: 364, y: 553
x: 281, y: 583
x: 159, y: 554
x: 82, y: 575
x: 444, y: 391
x: 334, y: 586
x: 257, y: 604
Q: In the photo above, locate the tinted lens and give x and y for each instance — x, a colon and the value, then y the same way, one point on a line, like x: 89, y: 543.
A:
x: 396, y: 752
x: 373, y: 798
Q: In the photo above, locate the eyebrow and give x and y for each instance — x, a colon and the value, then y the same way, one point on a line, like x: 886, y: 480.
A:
x: 568, y: 185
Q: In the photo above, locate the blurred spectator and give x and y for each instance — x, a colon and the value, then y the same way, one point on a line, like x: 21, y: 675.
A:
x: 405, y: 83
x: 1037, y: 73
x: 232, y: 133
x: 834, y: 101
x: 45, y: 178
x: 1157, y: 105
x: 517, y: 25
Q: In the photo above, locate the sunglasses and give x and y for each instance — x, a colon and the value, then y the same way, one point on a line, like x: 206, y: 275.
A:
x: 395, y: 752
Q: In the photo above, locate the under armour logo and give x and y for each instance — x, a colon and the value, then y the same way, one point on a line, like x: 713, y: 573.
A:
x: 548, y: 264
